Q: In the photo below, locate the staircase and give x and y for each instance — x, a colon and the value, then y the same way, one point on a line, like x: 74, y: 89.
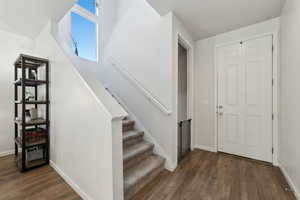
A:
x: 141, y: 166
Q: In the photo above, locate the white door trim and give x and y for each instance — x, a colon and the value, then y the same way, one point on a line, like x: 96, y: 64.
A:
x: 275, y: 90
x: 190, y: 67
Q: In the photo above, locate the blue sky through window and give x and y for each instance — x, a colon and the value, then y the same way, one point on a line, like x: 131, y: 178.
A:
x: 84, y: 32
x: 89, y: 5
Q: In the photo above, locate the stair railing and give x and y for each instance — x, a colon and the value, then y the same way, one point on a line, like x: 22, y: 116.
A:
x: 148, y: 95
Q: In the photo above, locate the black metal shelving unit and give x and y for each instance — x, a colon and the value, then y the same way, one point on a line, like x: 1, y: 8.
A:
x: 23, y: 65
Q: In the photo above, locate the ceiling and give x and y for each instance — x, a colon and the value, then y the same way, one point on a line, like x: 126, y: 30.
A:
x: 28, y: 17
x: 205, y: 18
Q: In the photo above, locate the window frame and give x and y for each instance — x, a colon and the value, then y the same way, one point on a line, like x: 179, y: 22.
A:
x: 77, y: 9
x: 97, y: 6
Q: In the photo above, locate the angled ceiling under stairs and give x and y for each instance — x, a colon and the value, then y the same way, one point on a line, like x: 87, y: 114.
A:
x: 28, y: 17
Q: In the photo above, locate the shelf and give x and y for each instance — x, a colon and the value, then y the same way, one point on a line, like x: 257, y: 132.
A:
x: 32, y: 122
x: 18, y: 140
x: 32, y: 164
x: 30, y: 61
x: 36, y: 163
x: 32, y: 102
x: 30, y: 83
x: 29, y: 134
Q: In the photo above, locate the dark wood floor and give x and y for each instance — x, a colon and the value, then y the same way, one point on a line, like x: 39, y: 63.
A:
x: 40, y: 184
x: 210, y: 176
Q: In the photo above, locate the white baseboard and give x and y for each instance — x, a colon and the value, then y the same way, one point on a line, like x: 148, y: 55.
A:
x: 290, y: 182
x: 170, y: 167
x: 205, y: 148
x: 6, y: 153
x: 73, y: 185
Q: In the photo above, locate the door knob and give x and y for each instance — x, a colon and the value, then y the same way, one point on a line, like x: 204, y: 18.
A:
x: 221, y: 113
x: 220, y: 107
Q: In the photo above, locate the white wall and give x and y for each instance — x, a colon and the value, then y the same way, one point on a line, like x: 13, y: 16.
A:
x: 141, y: 45
x: 108, y: 18
x: 204, y: 94
x: 11, y: 46
x: 83, y: 132
x: 122, y: 7
x: 204, y: 78
x: 87, y: 69
x: 141, y: 42
x: 289, y: 93
x: 140, y: 71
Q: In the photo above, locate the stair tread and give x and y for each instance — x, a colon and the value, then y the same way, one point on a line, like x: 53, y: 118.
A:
x: 127, y: 122
x: 137, y: 149
x: 128, y: 125
x: 127, y: 135
x: 141, y: 170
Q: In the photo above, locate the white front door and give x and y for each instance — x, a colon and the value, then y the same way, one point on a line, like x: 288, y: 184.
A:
x: 245, y: 98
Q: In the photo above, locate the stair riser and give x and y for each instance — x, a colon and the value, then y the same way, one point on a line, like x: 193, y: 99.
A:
x: 137, y: 159
x: 137, y: 187
x: 128, y: 127
x: 132, y: 141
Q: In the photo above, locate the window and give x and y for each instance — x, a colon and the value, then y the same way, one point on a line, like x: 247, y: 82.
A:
x: 84, y: 36
x: 84, y: 29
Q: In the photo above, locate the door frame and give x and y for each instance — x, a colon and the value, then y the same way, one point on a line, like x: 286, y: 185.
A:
x: 275, y: 91
x: 180, y: 39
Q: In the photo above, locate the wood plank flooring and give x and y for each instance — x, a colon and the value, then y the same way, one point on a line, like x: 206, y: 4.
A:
x: 210, y: 176
x: 40, y: 184
x: 200, y: 176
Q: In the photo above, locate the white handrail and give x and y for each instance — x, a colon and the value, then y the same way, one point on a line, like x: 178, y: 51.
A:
x: 154, y: 100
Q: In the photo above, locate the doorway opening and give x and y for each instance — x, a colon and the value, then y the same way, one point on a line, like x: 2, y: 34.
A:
x: 184, y: 123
